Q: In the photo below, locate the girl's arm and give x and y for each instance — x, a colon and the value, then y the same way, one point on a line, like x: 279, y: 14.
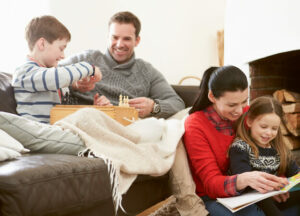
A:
x: 292, y: 169
x: 239, y: 158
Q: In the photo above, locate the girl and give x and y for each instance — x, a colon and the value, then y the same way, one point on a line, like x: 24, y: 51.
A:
x: 222, y: 99
x: 258, y: 146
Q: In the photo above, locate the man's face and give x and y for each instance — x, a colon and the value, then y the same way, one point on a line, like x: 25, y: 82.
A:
x: 122, y: 41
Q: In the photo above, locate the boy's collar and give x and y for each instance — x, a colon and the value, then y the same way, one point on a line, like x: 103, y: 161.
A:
x: 30, y: 58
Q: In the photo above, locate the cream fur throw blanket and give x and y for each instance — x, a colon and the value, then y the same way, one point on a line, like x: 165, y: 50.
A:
x: 146, y: 146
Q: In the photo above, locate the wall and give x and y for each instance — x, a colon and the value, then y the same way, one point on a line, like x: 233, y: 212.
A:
x: 14, y: 16
x: 259, y: 28
x: 178, y: 37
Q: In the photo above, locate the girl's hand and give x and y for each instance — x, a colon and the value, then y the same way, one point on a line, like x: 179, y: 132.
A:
x: 260, y: 181
x: 101, y: 101
x: 282, y: 197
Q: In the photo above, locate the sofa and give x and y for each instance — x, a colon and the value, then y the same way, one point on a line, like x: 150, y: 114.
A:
x: 59, y: 184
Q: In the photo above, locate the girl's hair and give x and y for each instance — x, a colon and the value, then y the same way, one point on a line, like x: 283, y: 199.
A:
x: 219, y: 80
x: 259, y: 106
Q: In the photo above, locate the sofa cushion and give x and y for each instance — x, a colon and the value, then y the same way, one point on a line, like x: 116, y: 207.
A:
x: 48, y: 184
x: 7, y: 99
x: 39, y: 137
x: 187, y: 93
x: 8, y: 141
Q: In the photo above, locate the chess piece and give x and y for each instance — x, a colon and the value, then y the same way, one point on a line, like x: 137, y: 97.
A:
x: 126, y: 101
x: 120, y: 100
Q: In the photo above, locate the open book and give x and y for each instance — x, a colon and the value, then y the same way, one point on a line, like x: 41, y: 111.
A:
x: 239, y: 202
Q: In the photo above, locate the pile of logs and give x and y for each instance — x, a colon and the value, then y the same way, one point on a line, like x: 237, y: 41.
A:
x: 291, y: 107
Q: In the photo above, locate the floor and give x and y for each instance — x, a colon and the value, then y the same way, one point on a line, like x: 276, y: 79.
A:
x: 152, y: 209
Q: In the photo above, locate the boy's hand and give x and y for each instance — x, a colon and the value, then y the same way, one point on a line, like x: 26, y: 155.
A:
x: 97, y: 76
x: 88, y: 83
x: 101, y: 101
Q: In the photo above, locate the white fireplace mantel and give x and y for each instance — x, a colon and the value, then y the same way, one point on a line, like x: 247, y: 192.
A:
x: 259, y: 28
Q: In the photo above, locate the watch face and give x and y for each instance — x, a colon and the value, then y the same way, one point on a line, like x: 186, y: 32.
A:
x: 156, y: 108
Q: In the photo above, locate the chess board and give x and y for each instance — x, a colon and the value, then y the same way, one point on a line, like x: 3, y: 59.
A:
x: 122, y: 114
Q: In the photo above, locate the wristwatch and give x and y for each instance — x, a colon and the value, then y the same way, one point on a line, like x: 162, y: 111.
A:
x: 156, y: 107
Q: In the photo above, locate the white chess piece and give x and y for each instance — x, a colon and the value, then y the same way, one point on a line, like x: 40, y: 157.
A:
x: 120, y: 100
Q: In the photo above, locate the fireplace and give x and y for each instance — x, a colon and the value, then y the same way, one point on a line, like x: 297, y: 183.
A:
x: 279, y: 71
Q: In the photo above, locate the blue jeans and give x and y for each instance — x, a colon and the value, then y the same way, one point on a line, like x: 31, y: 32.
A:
x: 216, y: 209
x: 292, y: 206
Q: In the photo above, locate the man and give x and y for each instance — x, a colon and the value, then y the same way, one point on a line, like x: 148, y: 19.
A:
x: 125, y: 75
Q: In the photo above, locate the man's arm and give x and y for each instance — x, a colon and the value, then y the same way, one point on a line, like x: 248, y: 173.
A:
x: 164, y: 94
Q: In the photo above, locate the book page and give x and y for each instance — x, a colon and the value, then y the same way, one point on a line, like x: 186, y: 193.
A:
x: 239, y: 202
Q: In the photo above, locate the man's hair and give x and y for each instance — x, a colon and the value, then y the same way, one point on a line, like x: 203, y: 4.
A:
x: 47, y: 27
x: 127, y: 18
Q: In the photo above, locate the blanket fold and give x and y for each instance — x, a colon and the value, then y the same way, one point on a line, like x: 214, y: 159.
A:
x: 146, y: 146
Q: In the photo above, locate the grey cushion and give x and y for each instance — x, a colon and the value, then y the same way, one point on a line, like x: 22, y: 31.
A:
x: 39, y: 137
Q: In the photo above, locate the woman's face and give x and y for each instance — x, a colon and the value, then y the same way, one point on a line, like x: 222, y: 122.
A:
x: 230, y: 105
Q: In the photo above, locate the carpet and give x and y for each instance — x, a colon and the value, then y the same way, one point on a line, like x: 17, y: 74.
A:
x: 167, y: 209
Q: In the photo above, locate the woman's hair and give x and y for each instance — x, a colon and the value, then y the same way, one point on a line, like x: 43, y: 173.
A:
x: 219, y: 80
x: 259, y: 106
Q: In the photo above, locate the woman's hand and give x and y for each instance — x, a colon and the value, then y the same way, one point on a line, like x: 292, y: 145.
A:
x: 260, y: 181
x: 282, y: 197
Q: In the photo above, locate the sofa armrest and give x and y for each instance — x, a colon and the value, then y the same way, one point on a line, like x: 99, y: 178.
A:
x: 7, y: 98
x: 188, y: 93
x: 54, y: 184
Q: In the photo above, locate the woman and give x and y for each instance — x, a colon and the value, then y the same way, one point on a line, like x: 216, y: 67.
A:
x: 208, y: 134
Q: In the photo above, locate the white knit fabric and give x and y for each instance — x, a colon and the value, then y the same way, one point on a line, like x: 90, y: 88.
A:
x: 128, y: 151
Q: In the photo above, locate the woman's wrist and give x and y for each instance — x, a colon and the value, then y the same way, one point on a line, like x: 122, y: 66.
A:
x: 241, y: 181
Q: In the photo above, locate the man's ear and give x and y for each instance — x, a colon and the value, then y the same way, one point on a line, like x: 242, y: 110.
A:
x: 211, y: 96
x: 137, y: 41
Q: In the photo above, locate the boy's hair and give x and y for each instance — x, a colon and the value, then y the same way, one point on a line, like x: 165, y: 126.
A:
x: 127, y: 18
x: 259, y: 106
x: 47, y: 27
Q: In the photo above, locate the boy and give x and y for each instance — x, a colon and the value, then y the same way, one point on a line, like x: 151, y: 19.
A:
x: 37, y: 83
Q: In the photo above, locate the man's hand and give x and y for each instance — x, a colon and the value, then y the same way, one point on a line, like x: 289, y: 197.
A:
x: 101, y: 101
x: 88, y: 83
x: 143, y: 105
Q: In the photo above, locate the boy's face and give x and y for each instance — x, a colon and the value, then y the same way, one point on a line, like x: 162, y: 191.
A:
x: 52, y: 53
x: 122, y: 41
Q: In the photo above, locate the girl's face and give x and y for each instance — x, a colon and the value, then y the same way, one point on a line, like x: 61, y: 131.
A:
x: 231, y: 104
x: 264, y: 128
